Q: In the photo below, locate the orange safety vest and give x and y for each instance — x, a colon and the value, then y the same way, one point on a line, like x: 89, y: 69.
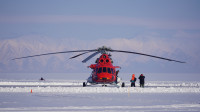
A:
x: 133, y: 77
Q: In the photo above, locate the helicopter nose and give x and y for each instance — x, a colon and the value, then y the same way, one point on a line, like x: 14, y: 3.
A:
x: 104, y: 78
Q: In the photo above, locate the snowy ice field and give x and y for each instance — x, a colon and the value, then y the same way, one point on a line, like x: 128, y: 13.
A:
x: 68, y: 95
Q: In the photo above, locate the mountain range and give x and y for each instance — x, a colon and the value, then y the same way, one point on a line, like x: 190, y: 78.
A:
x: 32, y: 45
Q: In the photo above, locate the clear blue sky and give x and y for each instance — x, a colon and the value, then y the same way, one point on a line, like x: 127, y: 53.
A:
x: 173, y: 22
x: 154, y: 11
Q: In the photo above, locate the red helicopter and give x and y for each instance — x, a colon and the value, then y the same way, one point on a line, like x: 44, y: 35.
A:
x: 103, y: 72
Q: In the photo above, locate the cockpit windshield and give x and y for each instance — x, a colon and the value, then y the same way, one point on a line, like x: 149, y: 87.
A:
x: 112, y: 70
x: 108, y: 69
x: 105, y: 70
x: 99, y: 70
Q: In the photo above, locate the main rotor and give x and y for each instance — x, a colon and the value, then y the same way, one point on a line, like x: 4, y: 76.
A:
x: 102, y: 50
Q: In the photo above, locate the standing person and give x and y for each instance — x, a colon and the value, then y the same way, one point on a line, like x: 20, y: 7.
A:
x: 142, y: 77
x: 42, y: 79
x: 133, y: 80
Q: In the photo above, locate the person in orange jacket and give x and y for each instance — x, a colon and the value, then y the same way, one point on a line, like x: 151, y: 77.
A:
x: 133, y: 80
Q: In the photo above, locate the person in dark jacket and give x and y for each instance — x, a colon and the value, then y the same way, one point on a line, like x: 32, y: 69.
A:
x: 42, y: 79
x: 142, y: 77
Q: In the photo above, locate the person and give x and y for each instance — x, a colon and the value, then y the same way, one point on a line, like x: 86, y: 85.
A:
x: 42, y: 79
x: 133, y: 80
x: 142, y: 77
x: 116, y: 81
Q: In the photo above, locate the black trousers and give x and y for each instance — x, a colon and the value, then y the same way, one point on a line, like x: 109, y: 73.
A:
x: 132, y: 84
x: 141, y: 85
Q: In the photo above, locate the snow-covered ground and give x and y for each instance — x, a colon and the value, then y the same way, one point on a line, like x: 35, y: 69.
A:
x: 70, y: 86
x: 69, y: 95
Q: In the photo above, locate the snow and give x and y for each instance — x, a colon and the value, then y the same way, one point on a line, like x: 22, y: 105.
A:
x: 69, y: 95
x: 70, y: 86
x: 182, y: 107
x: 99, y: 102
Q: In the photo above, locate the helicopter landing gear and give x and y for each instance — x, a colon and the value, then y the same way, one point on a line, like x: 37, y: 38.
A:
x: 104, y: 85
x: 123, y: 84
x: 84, y: 84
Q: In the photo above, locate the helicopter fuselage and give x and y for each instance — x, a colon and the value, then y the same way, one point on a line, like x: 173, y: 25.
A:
x: 104, y: 72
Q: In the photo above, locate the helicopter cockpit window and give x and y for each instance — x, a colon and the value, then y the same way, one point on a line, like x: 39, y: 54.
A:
x: 99, y: 70
x: 112, y: 71
x: 96, y: 70
x: 109, y: 71
x: 104, y: 69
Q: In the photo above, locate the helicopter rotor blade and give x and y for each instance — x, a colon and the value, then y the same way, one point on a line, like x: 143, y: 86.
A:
x: 97, y: 51
x: 54, y: 53
x: 79, y: 55
x: 91, y: 56
x: 147, y: 55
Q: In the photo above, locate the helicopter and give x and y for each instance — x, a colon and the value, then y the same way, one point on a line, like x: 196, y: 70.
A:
x: 103, y: 71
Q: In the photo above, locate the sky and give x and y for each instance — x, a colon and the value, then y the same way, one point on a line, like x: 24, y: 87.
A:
x: 169, y: 28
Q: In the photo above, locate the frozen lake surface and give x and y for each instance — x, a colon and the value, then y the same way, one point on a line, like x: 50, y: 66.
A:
x: 69, y: 95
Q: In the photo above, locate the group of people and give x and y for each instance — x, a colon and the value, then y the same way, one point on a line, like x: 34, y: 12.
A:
x: 141, y: 78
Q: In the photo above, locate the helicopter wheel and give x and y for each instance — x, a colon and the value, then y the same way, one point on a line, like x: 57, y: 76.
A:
x: 104, y: 85
x: 84, y: 84
x: 123, y: 84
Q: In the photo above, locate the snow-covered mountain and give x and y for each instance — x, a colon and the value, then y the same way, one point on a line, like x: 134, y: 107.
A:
x: 31, y: 45
x: 34, y: 44
x: 23, y: 46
